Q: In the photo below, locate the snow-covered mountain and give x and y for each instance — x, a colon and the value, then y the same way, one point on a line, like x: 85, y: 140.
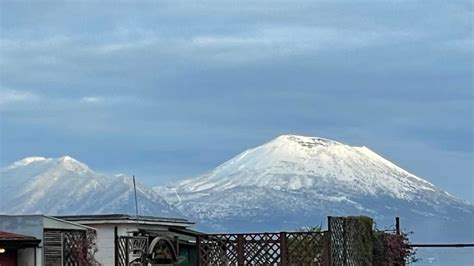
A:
x: 290, y: 182
x: 66, y: 186
x: 294, y: 181
x: 287, y: 183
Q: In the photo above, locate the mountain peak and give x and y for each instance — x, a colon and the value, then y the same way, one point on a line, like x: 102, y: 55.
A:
x: 64, y: 185
x: 67, y: 158
x: 305, y: 141
x: 72, y: 164
x: 66, y: 162
x: 295, y: 180
x: 294, y: 162
x: 26, y: 161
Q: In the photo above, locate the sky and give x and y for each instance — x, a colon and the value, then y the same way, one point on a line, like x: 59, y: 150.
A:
x: 168, y: 90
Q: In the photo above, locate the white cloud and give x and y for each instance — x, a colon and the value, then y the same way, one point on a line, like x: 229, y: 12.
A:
x: 91, y: 99
x: 228, y: 41
x: 50, y: 42
x: 10, y: 96
x: 104, y: 100
x: 18, y: 100
x: 293, y: 40
x: 122, y: 46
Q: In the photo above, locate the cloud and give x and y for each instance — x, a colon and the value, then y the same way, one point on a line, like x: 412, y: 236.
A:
x: 282, y: 41
x: 91, y: 99
x: 171, y: 81
x: 10, y: 96
x: 12, y: 100
x: 96, y: 100
x: 117, y: 47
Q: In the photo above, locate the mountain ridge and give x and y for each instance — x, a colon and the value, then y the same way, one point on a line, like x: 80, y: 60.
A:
x: 286, y: 183
x: 64, y: 185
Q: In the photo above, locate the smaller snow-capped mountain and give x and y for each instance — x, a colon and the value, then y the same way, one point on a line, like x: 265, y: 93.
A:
x: 64, y: 185
x: 295, y: 181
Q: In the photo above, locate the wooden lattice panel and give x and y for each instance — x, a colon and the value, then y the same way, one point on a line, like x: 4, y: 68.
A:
x: 218, y: 249
x: 306, y: 248
x: 299, y: 248
x: 74, y: 248
x: 352, y: 257
x: 262, y: 249
x: 348, y: 235
x: 336, y: 228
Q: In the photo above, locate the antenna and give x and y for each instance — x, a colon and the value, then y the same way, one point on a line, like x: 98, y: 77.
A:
x: 136, y: 202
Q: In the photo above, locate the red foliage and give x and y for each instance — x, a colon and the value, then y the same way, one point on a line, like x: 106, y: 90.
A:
x: 392, y: 249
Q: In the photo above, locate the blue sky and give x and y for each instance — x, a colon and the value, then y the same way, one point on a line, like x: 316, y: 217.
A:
x: 167, y: 90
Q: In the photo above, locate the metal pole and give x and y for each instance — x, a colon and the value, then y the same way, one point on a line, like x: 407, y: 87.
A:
x: 198, y: 247
x: 440, y: 245
x: 397, y: 225
x: 136, y: 202
x: 62, y: 248
x: 283, y: 249
x: 116, y: 246
x: 127, y: 252
x: 176, y: 248
x: 240, y: 250
x: 327, y: 249
x: 329, y: 237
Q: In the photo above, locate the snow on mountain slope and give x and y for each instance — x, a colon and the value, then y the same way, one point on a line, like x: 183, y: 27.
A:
x: 294, y: 181
x: 66, y: 186
x: 311, y: 162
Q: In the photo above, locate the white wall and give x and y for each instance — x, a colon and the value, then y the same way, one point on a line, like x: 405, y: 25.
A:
x: 106, y: 240
x: 105, y: 244
x: 26, y: 257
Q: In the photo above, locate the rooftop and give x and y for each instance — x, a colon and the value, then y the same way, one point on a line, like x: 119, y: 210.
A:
x: 111, y: 218
x: 12, y: 240
x: 11, y: 236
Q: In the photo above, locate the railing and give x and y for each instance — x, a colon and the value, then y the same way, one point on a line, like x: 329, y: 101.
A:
x: 443, y: 253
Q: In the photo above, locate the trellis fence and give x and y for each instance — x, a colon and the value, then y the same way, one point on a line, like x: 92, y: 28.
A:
x: 285, y: 248
x: 350, y: 240
x: 347, y: 242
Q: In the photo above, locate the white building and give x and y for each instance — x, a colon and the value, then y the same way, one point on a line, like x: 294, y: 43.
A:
x: 119, y: 238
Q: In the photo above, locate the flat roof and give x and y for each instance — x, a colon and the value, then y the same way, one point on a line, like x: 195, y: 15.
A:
x: 112, y: 218
x: 48, y: 222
